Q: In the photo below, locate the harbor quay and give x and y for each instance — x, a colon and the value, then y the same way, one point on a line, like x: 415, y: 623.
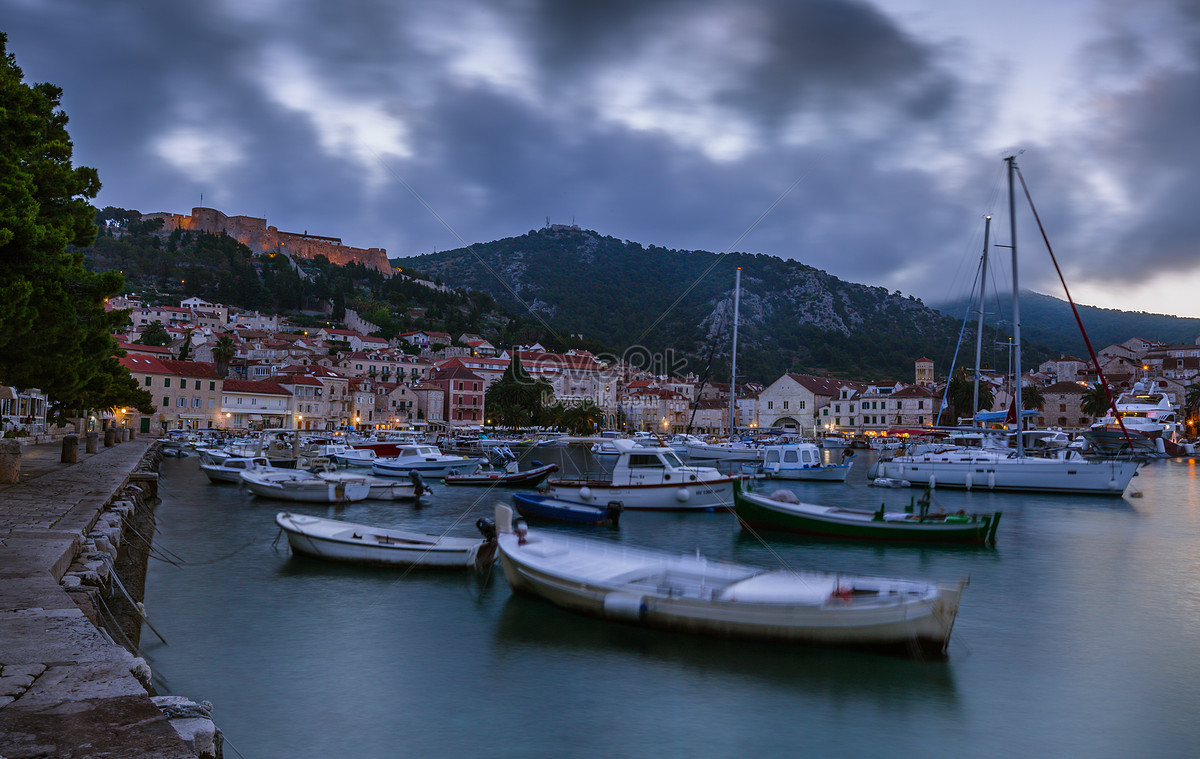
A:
x: 70, y: 684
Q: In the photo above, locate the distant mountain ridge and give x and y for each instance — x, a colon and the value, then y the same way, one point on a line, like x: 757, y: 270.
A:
x: 1048, y: 320
x: 793, y: 317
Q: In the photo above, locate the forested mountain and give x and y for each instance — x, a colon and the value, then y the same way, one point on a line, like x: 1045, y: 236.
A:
x: 645, y: 300
x: 1048, y: 320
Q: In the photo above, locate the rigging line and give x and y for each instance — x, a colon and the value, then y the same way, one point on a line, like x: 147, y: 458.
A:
x: 465, y: 244
x: 954, y: 361
x: 721, y: 256
x: 1078, y: 319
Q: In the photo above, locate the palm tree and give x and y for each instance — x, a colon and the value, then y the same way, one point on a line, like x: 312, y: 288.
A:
x: 223, y: 352
x: 583, y: 419
x: 1094, y: 402
x: 1191, y: 402
x: 962, y: 394
x: 1032, y: 398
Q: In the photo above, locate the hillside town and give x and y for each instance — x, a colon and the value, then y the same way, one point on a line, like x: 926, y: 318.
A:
x: 341, y: 377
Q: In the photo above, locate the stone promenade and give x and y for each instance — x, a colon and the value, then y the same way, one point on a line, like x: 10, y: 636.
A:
x: 66, y: 690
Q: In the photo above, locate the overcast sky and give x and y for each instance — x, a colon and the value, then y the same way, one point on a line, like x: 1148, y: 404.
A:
x: 862, y: 138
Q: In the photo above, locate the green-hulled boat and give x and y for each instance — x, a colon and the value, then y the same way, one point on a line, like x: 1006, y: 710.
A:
x: 919, y: 524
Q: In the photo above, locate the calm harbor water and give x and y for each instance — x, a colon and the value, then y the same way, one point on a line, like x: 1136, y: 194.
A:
x: 1078, y: 636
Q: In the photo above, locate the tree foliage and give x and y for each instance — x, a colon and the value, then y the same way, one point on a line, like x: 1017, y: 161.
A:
x: 1094, y: 401
x: 516, y: 399
x: 55, y: 334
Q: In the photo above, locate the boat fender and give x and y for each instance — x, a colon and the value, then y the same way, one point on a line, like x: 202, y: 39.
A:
x: 968, y: 481
x: 991, y: 480
x: 932, y: 481
x: 682, y: 495
x: 626, y: 606
x: 585, y: 493
x: 520, y: 529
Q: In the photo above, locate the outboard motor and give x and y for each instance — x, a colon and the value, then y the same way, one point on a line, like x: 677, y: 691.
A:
x: 486, y: 527
x: 486, y: 555
x: 420, y: 488
x: 614, y: 512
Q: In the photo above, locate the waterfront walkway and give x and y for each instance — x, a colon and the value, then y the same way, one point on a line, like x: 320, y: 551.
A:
x: 66, y: 690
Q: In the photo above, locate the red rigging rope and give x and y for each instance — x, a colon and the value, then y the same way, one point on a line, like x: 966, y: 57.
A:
x: 1091, y: 352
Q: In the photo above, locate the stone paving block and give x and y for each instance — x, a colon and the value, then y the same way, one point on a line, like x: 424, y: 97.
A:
x: 53, y: 635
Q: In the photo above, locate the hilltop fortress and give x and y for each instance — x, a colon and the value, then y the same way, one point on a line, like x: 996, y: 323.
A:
x: 256, y: 235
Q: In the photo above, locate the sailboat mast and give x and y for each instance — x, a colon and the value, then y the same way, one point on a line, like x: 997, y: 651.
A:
x: 987, y: 228
x: 737, y: 291
x: 1012, y: 223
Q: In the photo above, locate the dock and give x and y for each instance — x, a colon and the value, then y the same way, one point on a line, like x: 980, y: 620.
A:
x: 67, y: 689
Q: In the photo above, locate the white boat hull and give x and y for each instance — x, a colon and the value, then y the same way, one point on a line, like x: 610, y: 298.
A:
x: 362, y: 544
x: 829, y: 473
x: 983, y: 472
x: 433, y: 469
x: 724, y: 452
x: 305, y: 488
x: 692, y: 496
x: 691, y: 594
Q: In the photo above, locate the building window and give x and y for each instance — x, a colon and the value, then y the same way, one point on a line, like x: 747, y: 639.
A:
x: 212, y: 386
x: 785, y: 405
x: 197, y: 384
x: 802, y: 405
x: 166, y: 401
x: 181, y: 402
x: 166, y: 381
x: 770, y: 405
x: 147, y: 382
x: 196, y: 402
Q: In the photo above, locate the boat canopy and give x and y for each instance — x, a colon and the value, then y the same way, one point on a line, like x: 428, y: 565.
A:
x: 1000, y: 416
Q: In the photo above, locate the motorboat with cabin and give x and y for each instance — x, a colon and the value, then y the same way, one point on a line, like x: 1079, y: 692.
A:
x: 649, y: 478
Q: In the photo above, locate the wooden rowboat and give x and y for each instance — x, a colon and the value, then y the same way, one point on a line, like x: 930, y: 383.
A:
x: 783, y: 511
x: 695, y: 595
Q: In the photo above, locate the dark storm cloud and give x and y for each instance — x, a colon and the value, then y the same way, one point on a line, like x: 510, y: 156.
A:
x: 660, y: 121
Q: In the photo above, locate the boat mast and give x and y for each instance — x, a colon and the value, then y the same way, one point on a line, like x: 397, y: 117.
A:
x: 1012, y: 224
x: 737, y: 291
x: 987, y: 228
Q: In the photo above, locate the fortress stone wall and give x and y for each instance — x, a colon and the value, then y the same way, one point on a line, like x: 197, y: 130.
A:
x: 256, y: 235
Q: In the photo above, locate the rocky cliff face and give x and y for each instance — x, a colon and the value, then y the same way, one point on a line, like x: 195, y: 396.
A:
x: 255, y: 234
x: 791, y: 315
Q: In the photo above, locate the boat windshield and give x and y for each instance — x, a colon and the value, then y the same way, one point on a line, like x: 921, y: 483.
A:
x: 672, y: 459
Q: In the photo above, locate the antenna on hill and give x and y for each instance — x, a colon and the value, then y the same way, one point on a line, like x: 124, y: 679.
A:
x: 547, y: 221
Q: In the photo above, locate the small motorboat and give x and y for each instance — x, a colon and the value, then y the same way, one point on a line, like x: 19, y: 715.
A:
x: 393, y: 489
x: 426, y: 459
x: 229, y: 469
x: 530, y: 478
x: 538, y: 506
x: 305, y: 486
x: 380, y: 546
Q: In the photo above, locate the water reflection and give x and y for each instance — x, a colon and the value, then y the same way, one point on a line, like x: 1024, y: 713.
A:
x: 527, y: 623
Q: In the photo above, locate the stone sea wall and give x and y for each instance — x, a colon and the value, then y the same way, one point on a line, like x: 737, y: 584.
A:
x: 74, y: 542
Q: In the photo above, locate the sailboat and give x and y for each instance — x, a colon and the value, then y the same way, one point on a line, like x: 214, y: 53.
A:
x: 1066, y: 471
x: 731, y: 450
